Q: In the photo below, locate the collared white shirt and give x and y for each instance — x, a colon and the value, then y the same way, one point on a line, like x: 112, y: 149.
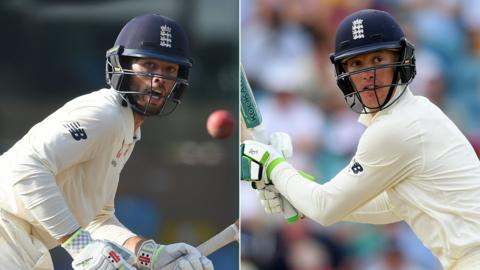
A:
x: 64, y: 172
x: 413, y: 164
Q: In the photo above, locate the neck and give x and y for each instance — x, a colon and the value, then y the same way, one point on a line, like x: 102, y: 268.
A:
x: 137, y: 120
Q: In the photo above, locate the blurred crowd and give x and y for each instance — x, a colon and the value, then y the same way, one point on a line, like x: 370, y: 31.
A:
x: 285, y: 48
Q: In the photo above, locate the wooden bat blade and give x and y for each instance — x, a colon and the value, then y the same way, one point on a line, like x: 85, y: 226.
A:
x: 248, y: 106
x: 251, y: 121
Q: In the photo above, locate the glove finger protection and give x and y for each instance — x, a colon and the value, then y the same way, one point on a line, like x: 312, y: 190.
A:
x: 192, y: 262
x: 271, y: 201
x: 206, y: 263
x: 154, y: 256
x: 282, y: 142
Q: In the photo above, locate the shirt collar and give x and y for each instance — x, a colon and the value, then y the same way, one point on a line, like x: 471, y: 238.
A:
x: 368, y: 119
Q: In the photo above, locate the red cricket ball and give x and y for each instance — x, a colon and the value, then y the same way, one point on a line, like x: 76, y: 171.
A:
x: 220, y: 124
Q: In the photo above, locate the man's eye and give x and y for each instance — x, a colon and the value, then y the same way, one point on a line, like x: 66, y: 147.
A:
x: 171, y: 69
x: 149, y: 65
x: 378, y: 59
x: 354, y: 64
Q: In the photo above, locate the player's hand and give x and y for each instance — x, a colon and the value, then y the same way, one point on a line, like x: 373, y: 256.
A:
x: 270, y: 199
x: 89, y: 254
x: 283, y: 143
x: 258, y: 160
x: 100, y: 255
x: 179, y: 256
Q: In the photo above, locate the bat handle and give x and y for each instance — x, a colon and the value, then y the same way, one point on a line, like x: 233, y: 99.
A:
x: 289, y: 212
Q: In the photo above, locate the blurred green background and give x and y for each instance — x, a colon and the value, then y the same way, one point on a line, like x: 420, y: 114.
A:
x: 180, y: 185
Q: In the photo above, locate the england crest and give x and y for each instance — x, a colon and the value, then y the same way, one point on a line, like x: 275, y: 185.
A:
x: 357, y: 29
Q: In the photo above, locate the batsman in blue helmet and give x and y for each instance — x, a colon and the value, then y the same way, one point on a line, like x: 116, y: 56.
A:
x: 156, y: 86
x: 412, y: 163
x: 59, y: 181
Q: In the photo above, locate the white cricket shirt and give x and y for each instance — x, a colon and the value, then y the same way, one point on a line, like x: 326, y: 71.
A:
x: 64, y: 172
x: 413, y: 164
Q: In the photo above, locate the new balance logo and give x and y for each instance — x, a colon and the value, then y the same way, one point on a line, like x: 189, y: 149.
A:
x: 357, y: 29
x: 355, y: 168
x: 77, y: 132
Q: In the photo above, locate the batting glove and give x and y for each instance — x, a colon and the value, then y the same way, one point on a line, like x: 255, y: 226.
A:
x: 272, y: 201
x: 179, y: 256
x: 258, y: 160
x: 89, y: 254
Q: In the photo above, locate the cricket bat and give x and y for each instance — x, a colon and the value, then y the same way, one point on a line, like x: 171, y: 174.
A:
x: 218, y: 241
x: 252, y: 128
x: 221, y: 239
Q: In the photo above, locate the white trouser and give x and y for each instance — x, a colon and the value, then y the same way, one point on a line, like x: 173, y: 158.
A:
x: 18, y: 248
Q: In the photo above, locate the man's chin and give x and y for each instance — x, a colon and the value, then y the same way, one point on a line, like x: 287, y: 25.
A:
x: 151, y: 109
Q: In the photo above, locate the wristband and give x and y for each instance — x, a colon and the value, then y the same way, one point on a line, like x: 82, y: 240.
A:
x: 77, y: 242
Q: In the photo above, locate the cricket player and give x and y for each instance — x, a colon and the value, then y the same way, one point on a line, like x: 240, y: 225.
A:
x: 412, y: 163
x: 58, y: 183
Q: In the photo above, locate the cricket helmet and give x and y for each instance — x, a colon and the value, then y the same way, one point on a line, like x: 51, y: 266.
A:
x: 149, y: 36
x: 368, y: 31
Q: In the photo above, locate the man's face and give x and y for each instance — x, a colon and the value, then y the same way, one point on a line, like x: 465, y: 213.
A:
x: 160, y: 85
x: 380, y: 78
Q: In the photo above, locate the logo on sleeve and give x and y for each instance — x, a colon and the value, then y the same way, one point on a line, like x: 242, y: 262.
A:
x: 355, y: 168
x: 78, y: 133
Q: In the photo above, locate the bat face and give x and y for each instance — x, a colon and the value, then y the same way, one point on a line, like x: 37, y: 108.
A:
x: 249, y: 109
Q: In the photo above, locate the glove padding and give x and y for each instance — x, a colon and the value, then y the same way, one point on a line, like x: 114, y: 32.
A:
x: 270, y: 200
x: 96, y: 254
x: 258, y: 160
x: 100, y: 255
x: 178, y: 256
x: 256, y: 166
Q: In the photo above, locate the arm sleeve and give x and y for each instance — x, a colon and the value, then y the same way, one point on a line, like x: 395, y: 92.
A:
x: 107, y: 226
x: 386, y: 155
x: 49, y: 149
x: 376, y: 211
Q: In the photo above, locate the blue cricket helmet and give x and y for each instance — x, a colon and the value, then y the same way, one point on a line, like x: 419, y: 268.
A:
x: 149, y: 36
x: 367, y: 31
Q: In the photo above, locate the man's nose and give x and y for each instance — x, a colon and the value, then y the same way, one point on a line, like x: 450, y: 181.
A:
x: 158, y: 80
x: 369, y: 74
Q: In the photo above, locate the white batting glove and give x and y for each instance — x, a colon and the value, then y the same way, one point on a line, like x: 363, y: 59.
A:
x: 89, y: 254
x: 271, y: 200
x: 179, y: 256
x: 282, y: 142
x: 257, y: 162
